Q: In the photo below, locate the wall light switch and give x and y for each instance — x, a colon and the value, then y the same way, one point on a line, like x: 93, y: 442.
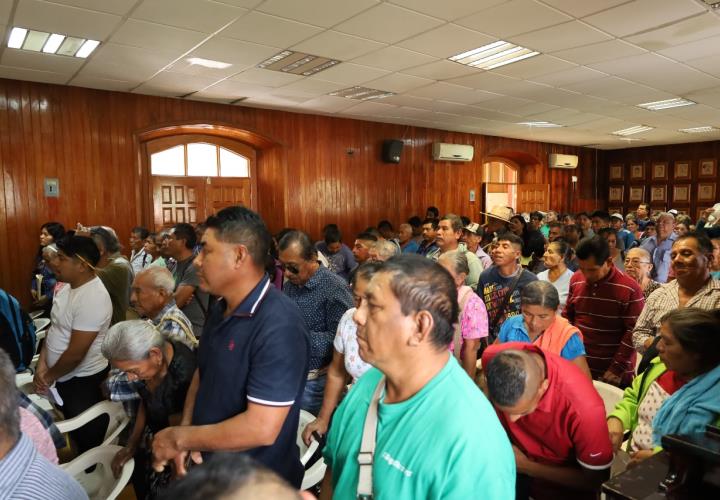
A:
x: 574, y: 178
x: 52, y: 187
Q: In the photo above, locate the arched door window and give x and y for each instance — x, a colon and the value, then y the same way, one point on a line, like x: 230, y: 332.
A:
x: 500, y: 183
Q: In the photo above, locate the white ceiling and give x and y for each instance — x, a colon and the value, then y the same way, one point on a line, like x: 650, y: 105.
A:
x: 599, y: 59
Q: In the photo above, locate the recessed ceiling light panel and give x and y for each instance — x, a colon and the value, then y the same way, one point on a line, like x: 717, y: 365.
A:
x: 699, y: 130
x: 51, y: 43
x: 17, y: 37
x: 632, y: 130
x: 361, y: 93
x: 666, y: 104
x: 208, y: 63
x: 297, y: 63
x: 540, y: 124
x: 493, y: 55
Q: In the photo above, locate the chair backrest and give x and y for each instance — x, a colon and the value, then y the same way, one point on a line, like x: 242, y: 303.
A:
x: 315, y: 473
x: 610, y: 395
x: 101, y: 483
x: 118, y: 419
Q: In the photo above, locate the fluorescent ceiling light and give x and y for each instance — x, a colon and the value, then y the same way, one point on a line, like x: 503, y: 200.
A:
x: 494, y: 55
x: 70, y: 46
x: 540, y: 124
x: 361, y: 93
x: 297, y: 63
x: 632, y: 130
x: 698, y: 130
x: 17, y: 37
x: 87, y: 48
x: 666, y: 104
x: 53, y: 43
x: 208, y: 63
x: 35, y: 40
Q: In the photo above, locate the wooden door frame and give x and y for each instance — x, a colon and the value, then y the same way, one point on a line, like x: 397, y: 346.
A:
x: 246, y: 136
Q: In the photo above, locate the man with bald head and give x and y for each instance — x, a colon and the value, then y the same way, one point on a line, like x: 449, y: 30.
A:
x: 554, y: 418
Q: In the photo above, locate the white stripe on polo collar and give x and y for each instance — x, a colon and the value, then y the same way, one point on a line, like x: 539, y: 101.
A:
x: 262, y: 294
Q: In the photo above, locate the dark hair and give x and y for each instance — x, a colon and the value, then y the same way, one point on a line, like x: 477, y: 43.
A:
x: 650, y: 223
x: 540, y: 293
x: 433, y: 210
x: 511, y: 237
x: 465, y: 220
x: 185, y: 231
x: 522, y: 221
x: 108, y: 240
x: 305, y: 245
x: 331, y: 234
x: 384, y: 224
x: 506, y: 378
x: 365, y: 271
x: 580, y: 214
x: 606, y: 231
x: 596, y: 247
x: 420, y: 284
x: 601, y: 214
x: 704, y: 243
x: 85, y: 247
x: 229, y: 475
x: 434, y: 222
x: 278, y: 236
x: 242, y: 226
x: 415, y: 221
x: 373, y: 230
x: 366, y: 236
x: 564, y: 248
x: 572, y: 227
x: 455, y: 221
x: 54, y: 229
x: 140, y: 231
x: 536, y: 215
x: 698, y: 331
x: 556, y: 224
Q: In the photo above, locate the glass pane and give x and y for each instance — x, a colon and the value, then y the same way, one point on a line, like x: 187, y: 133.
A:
x: 168, y: 162
x: 202, y: 160
x: 232, y: 164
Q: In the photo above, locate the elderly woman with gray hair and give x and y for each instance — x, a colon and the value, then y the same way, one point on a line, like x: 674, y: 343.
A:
x: 165, y: 369
x: 540, y: 325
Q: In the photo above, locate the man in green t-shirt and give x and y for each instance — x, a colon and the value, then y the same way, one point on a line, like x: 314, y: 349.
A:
x: 437, y: 435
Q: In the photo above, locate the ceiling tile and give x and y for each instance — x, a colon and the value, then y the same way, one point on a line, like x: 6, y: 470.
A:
x: 562, y: 36
x: 441, y: 70
x: 44, y: 62
x: 328, y: 104
x: 371, y: 108
x: 173, y: 84
x: 266, y: 77
x: 446, y: 41
x: 337, y: 45
x: 5, y: 8
x: 535, y: 66
x: 532, y: 108
x: 93, y: 82
x: 699, y: 113
x: 693, y: 50
x: 710, y: 97
x: 54, y: 18
x: 248, y: 4
x: 119, y: 7
x: 599, y: 52
x: 185, y: 67
x: 387, y: 23
x: 573, y: 75
x: 350, y: 74
x: 398, y: 82
x: 199, y: 15
x: 618, y: 89
x: 582, y: 9
x: 515, y: 17
x: 493, y: 82
x: 393, y: 59
x: 641, y: 15
x: 269, y: 30
x: 503, y: 103
x: 324, y: 13
x: 32, y: 75
x: 689, y: 30
x: 447, y: 9
x: 121, y: 62
x: 233, y: 90
x: 308, y: 87
x: 411, y: 101
x: 238, y: 53
x: 710, y: 64
x: 156, y: 37
x: 449, y: 92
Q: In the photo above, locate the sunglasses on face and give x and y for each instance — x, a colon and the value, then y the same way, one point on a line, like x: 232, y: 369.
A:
x: 291, y: 268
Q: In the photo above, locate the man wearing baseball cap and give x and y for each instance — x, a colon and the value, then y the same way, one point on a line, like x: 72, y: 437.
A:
x: 473, y: 237
x: 627, y: 237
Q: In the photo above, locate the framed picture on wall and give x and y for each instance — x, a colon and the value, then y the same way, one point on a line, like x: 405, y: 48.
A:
x: 707, y: 169
x: 706, y: 192
x: 659, y: 171
x: 616, y: 194
x: 658, y: 194
x: 637, y: 194
x: 701, y: 211
x: 617, y: 172
x: 681, y: 193
x: 637, y: 172
x: 682, y: 171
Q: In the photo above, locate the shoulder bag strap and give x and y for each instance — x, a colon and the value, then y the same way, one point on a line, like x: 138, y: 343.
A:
x: 457, y: 334
x: 367, y: 445
x: 506, y: 299
x: 187, y: 331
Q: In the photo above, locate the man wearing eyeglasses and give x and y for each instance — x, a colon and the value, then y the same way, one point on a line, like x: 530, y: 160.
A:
x: 322, y: 297
x: 659, y: 246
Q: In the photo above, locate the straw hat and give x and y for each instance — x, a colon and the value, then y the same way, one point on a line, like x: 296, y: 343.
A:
x: 500, y: 212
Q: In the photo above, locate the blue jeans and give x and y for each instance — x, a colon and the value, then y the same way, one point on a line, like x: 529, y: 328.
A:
x: 312, y: 397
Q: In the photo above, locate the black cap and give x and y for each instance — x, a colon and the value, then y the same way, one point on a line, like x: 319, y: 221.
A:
x: 80, y: 246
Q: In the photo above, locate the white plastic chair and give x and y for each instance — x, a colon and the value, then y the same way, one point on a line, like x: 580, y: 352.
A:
x: 316, y: 472
x: 41, y: 324
x: 23, y: 381
x: 610, y: 395
x: 36, y: 314
x: 100, y: 484
x: 117, y: 422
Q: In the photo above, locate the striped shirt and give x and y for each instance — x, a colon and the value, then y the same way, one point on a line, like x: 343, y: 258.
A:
x: 27, y: 475
x: 606, y: 312
x: 665, y: 299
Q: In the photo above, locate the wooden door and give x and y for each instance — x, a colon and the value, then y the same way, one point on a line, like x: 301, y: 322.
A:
x: 533, y: 197
x: 178, y: 199
x: 499, y: 194
x: 227, y: 192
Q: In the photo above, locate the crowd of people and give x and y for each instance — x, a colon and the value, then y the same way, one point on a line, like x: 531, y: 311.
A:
x: 215, y: 337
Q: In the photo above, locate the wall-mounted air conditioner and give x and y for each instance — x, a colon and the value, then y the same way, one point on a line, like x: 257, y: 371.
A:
x: 563, y: 161
x: 452, y: 152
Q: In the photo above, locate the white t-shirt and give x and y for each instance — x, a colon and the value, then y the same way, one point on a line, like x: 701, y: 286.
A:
x: 86, y: 308
x: 562, y: 284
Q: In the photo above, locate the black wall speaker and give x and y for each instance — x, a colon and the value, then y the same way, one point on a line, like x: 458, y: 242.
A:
x: 391, y: 150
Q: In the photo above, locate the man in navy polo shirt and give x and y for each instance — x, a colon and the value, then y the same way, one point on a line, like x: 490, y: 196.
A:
x: 252, y: 359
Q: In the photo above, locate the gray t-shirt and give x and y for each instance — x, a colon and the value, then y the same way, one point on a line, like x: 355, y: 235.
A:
x: 196, y: 310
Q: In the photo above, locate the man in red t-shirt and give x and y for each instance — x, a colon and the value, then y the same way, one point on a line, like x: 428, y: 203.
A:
x: 555, y: 419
